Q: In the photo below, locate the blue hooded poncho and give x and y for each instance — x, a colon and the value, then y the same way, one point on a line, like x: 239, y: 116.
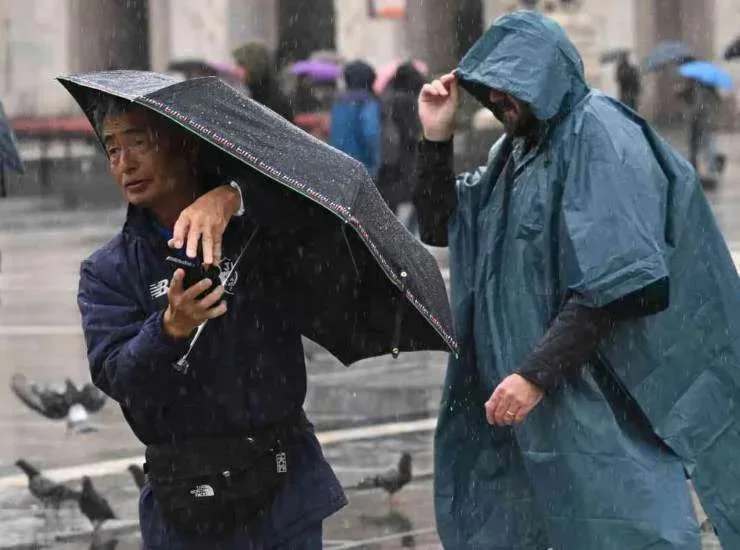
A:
x: 600, y: 208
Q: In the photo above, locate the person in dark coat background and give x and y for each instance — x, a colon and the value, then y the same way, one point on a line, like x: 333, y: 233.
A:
x: 703, y: 104
x: 261, y: 78
x: 245, y: 377
x: 355, y: 117
x: 628, y: 80
x: 401, y: 131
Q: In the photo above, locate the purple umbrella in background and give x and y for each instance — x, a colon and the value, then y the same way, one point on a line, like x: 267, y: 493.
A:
x: 317, y: 70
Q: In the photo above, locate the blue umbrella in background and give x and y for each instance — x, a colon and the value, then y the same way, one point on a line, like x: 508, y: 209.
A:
x: 707, y: 73
x: 9, y: 157
x: 667, y: 52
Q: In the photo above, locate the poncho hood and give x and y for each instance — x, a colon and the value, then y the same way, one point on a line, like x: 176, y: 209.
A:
x: 529, y: 57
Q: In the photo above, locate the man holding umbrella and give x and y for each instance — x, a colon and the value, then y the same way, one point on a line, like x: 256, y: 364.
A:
x: 207, y: 362
x: 598, y: 311
x: 255, y: 380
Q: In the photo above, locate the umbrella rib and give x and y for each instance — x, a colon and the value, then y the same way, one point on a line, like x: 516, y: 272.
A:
x: 349, y: 249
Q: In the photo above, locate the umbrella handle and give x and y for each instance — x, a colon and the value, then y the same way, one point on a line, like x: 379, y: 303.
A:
x: 395, y: 346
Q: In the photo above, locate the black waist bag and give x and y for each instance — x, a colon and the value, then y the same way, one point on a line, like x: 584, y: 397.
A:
x: 214, y: 486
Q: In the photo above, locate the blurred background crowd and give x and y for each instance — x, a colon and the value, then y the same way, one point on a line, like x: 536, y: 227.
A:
x: 348, y: 72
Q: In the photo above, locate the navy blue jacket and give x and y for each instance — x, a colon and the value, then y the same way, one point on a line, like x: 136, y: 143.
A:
x: 247, y: 369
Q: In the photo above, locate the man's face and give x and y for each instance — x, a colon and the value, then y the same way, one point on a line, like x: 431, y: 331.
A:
x: 143, y: 158
x: 515, y: 115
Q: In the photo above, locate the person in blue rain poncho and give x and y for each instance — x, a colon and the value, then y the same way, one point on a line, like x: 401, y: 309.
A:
x: 598, y: 310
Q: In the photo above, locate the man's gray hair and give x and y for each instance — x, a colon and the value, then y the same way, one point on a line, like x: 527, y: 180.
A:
x: 107, y: 106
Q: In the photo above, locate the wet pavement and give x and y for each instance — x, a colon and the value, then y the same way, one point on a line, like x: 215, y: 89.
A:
x: 366, y: 415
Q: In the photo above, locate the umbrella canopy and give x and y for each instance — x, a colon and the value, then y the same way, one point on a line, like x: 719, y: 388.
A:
x: 193, y: 68
x: 317, y: 70
x: 667, y: 52
x: 733, y: 50
x: 610, y: 56
x: 370, y: 288
x: 9, y: 157
x: 707, y: 73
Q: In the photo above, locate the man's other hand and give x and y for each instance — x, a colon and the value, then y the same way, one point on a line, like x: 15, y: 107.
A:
x: 438, y: 102
x: 186, y: 310
x: 512, y: 400
x: 205, y: 220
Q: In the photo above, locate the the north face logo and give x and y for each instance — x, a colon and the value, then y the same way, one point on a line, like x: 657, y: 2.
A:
x: 160, y: 288
x: 281, y: 463
x: 202, y: 491
x: 228, y: 275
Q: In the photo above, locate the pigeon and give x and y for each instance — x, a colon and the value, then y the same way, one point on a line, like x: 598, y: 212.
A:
x: 47, y: 401
x: 57, y: 403
x: 393, y: 480
x: 47, y: 491
x: 89, y: 396
x: 138, y: 474
x: 81, y: 403
x: 93, y: 505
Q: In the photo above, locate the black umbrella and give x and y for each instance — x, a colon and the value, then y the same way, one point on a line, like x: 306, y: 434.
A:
x: 733, y: 50
x: 610, y: 56
x: 369, y: 286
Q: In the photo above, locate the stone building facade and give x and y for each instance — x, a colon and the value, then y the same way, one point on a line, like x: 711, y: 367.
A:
x: 40, y: 39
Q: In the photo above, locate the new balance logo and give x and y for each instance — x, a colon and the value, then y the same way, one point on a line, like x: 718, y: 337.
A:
x: 159, y: 288
x: 202, y: 491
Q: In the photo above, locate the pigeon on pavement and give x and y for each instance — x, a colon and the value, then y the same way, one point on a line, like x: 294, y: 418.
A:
x: 49, y: 492
x: 93, y: 505
x: 55, y: 402
x: 393, y: 480
x: 138, y: 474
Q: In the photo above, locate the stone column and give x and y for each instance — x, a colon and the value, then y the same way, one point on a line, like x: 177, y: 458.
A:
x: 253, y: 20
x: 304, y: 26
x: 35, y: 40
x: 109, y: 34
x: 431, y: 34
x: 159, y: 34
